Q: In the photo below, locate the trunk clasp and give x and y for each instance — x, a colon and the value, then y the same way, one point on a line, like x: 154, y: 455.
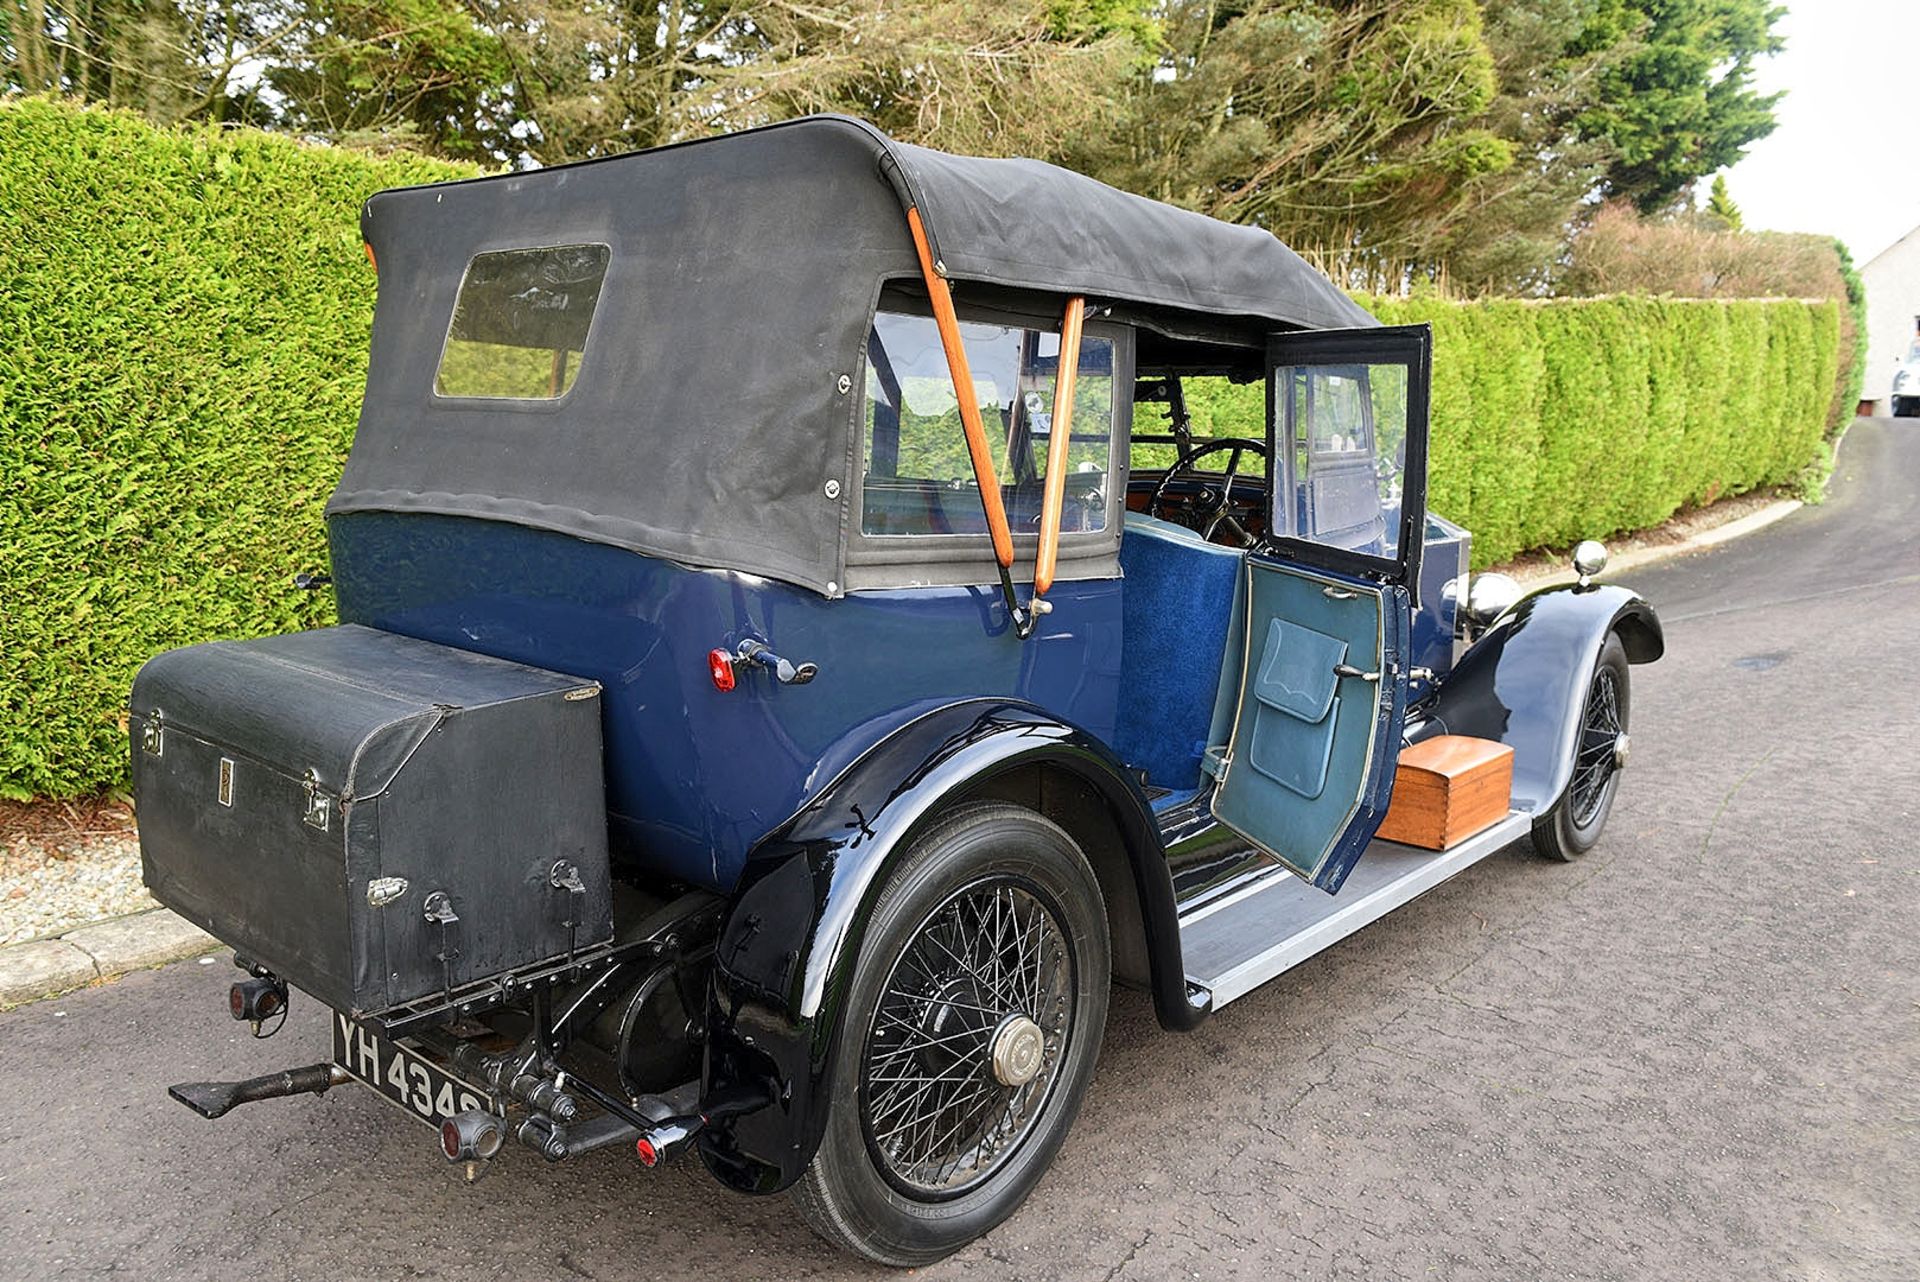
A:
x: 319, y: 810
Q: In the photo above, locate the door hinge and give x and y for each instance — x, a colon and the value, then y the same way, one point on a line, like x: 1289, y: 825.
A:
x: 1217, y: 760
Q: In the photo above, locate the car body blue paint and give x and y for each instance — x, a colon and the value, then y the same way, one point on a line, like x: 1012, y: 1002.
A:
x: 796, y: 800
x: 1435, y: 622
x: 695, y: 776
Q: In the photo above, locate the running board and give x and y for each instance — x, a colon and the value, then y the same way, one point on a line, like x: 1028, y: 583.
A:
x: 1234, y: 945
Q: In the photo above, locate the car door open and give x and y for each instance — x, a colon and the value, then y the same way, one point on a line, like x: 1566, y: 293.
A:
x: 1308, y: 770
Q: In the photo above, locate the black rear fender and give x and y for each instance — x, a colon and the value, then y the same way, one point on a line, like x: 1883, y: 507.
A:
x: 789, y: 942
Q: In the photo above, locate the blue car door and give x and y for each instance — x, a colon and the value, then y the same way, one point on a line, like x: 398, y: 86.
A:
x: 1329, y: 593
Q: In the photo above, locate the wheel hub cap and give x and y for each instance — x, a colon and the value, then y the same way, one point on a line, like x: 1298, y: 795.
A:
x: 1620, y: 747
x: 1019, y: 1048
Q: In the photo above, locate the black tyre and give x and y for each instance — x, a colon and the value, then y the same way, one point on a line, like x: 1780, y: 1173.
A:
x: 969, y: 1035
x: 1571, y: 828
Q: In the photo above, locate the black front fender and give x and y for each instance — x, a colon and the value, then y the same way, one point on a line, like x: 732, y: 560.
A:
x: 786, y: 951
x: 1524, y: 683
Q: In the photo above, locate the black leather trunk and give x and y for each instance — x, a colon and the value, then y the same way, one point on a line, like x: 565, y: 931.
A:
x: 305, y: 798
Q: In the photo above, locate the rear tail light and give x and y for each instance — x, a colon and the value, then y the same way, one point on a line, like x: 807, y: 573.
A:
x: 472, y: 1136
x: 256, y: 999
x: 720, y: 668
x: 649, y: 1155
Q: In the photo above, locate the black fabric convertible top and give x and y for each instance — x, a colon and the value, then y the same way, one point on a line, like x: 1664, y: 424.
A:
x: 706, y: 419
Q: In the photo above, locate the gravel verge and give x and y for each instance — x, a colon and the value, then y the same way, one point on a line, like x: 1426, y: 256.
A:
x: 48, y: 886
x: 1684, y: 532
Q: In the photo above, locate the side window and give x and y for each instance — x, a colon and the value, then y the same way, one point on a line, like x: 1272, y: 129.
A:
x: 1348, y: 425
x: 918, y: 477
x: 520, y: 323
x: 1337, y: 420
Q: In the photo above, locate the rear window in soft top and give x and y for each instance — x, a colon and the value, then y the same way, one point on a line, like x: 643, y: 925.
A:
x: 520, y: 323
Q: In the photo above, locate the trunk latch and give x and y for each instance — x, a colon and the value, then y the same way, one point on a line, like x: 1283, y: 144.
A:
x: 319, y: 805
x: 565, y: 875
x: 438, y: 910
x: 382, y: 891
x: 151, y: 741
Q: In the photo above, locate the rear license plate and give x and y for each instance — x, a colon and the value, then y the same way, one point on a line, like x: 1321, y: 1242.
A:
x: 411, y: 1081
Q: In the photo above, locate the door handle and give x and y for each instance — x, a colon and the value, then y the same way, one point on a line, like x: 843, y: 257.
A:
x: 1338, y: 594
x: 1348, y: 670
x: 786, y: 672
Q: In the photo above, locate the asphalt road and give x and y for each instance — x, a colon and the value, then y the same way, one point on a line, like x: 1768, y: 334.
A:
x: 1695, y: 1054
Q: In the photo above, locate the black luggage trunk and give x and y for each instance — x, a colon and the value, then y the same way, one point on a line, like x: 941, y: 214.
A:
x: 372, y: 817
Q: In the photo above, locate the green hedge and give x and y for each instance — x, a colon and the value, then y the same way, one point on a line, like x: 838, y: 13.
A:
x: 1578, y: 418
x: 185, y: 320
x: 186, y: 317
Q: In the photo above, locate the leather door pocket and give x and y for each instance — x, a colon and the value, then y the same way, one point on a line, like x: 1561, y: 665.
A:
x: 1291, y: 738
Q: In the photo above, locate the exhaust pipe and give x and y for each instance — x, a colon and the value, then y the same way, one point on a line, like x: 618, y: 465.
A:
x: 214, y: 1099
x: 667, y: 1137
x: 669, y: 1132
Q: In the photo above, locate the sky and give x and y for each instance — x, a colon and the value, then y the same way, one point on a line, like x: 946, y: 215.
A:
x: 1845, y: 160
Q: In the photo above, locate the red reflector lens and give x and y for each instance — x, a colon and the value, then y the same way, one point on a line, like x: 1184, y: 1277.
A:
x: 720, y: 668
x: 450, y: 1141
x: 649, y: 1156
x: 237, y: 1001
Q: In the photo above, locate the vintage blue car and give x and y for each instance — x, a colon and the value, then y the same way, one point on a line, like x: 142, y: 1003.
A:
x: 777, y: 695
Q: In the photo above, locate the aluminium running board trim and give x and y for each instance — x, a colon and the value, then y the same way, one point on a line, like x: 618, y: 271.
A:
x: 1231, y: 949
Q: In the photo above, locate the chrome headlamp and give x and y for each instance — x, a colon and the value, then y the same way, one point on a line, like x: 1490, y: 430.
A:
x: 1490, y: 596
x: 1486, y: 597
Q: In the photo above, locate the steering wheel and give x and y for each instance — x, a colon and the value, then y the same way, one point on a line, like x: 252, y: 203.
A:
x: 1210, y: 508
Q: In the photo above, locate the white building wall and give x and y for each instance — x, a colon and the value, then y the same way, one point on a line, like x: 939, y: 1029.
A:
x: 1893, y: 301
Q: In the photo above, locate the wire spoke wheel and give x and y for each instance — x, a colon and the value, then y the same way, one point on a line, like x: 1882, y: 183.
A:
x: 1595, y: 761
x: 966, y: 1042
x: 970, y: 1025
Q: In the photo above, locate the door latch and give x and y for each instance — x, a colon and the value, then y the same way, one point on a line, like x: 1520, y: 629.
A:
x: 1348, y: 670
